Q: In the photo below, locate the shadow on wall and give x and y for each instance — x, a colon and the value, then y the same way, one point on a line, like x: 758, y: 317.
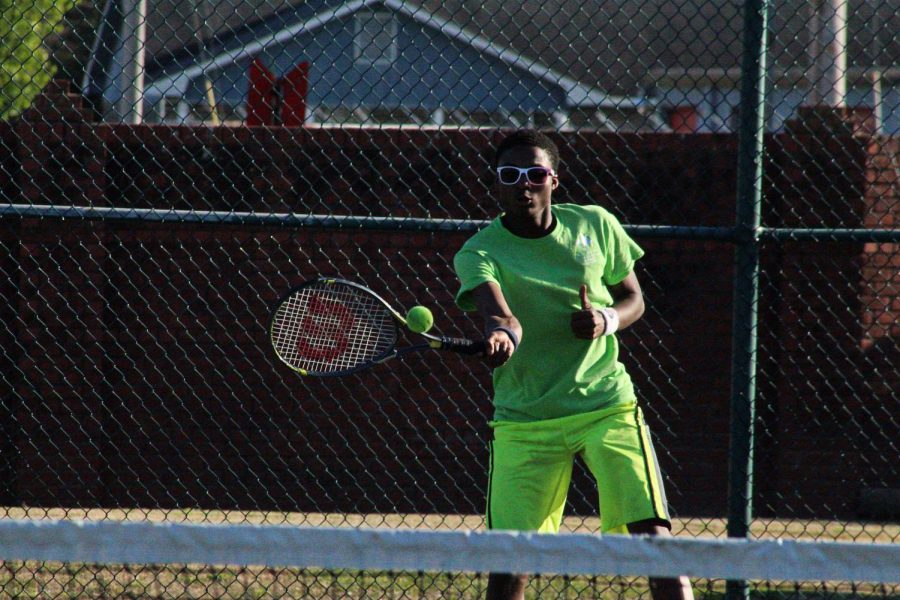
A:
x: 881, y: 361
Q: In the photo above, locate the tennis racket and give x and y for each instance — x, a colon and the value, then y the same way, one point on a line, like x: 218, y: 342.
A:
x: 328, y: 327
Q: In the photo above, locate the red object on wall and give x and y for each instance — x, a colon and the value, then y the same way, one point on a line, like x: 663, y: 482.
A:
x: 277, y: 101
x: 261, y: 97
x: 293, y: 95
x: 683, y: 119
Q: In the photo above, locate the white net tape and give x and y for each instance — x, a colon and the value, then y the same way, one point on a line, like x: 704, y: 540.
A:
x: 107, y: 542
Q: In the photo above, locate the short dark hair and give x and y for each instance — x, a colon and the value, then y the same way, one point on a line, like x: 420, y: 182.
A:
x: 532, y: 138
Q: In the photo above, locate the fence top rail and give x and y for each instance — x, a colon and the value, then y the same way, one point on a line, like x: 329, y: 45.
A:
x: 160, y: 215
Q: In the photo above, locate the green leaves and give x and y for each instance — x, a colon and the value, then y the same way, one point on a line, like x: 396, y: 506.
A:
x: 25, y: 67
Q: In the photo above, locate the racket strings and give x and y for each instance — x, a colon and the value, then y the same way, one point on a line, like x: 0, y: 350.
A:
x: 331, y: 328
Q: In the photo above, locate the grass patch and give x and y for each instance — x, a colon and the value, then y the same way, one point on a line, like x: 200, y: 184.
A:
x: 40, y: 581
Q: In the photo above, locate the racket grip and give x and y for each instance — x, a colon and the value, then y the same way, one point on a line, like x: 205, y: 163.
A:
x: 462, y: 345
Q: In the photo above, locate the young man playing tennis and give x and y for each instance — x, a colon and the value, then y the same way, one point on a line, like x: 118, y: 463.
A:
x: 553, y: 284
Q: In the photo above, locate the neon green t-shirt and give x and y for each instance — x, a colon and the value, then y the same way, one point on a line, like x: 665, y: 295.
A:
x: 552, y: 373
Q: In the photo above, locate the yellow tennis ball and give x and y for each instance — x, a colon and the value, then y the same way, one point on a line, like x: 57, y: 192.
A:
x: 419, y: 319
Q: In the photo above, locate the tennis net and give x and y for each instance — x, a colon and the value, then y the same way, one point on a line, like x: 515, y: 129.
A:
x: 82, y: 559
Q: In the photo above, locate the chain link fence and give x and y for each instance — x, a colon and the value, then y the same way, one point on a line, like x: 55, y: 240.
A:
x: 168, y: 169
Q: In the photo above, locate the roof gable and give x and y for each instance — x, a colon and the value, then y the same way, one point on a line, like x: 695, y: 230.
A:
x: 236, y: 49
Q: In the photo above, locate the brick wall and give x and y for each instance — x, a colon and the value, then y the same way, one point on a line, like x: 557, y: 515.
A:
x: 881, y: 262
x: 136, y: 371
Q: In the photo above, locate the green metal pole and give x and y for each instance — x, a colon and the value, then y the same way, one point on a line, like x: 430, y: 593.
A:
x: 746, y: 280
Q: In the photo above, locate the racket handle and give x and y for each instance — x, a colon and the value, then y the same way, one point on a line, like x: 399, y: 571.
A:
x: 461, y: 345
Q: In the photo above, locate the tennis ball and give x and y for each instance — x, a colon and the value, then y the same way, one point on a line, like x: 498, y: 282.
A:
x: 419, y: 319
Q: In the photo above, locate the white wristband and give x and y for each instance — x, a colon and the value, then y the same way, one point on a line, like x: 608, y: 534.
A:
x: 612, y: 320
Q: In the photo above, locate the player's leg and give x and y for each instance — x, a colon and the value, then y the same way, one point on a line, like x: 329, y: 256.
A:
x: 662, y: 588
x: 619, y: 452
x: 506, y: 586
x: 530, y: 473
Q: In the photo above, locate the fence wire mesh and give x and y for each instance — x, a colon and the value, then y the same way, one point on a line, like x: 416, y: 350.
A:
x: 169, y: 168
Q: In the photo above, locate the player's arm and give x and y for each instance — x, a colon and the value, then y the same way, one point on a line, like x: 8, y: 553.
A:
x: 628, y: 300
x: 502, y: 331
x: 628, y: 306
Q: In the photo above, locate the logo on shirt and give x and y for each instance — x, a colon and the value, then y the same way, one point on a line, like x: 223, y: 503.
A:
x: 586, y: 252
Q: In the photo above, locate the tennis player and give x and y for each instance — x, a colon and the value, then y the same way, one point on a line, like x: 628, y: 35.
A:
x: 554, y: 282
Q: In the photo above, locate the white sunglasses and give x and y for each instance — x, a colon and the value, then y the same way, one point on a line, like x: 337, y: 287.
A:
x: 508, y: 175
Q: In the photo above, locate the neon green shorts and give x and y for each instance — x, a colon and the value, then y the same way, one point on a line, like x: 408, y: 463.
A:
x: 531, y: 469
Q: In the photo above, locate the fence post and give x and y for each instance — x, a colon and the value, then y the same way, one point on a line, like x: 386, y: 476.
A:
x: 746, y: 279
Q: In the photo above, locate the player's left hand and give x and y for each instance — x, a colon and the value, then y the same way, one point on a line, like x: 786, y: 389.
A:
x: 498, y: 348
x: 587, y: 323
